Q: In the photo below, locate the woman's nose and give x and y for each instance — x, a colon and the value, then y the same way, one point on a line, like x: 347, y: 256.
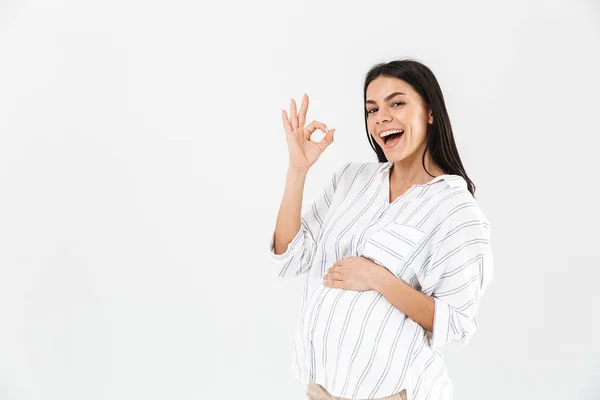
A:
x: 383, y: 115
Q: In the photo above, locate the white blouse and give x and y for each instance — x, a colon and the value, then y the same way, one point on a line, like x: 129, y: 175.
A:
x: 434, y: 237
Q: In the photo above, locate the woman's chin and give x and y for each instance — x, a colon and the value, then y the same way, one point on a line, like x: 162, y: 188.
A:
x: 393, y: 156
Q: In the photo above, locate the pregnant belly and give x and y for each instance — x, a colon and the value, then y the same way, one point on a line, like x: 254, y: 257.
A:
x: 345, y: 316
x: 358, y: 331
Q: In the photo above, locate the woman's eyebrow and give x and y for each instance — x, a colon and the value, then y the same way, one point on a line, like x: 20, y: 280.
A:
x: 386, y: 99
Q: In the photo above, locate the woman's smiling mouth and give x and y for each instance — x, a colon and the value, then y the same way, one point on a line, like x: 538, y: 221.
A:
x: 391, y: 137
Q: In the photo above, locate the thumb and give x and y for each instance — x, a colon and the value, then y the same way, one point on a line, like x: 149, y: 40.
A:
x: 327, y: 139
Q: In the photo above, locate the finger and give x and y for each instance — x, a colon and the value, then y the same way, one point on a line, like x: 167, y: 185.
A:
x: 327, y: 139
x: 312, y: 127
x: 333, y: 276
x: 334, y: 284
x: 303, y: 110
x: 293, y: 114
x: 286, y: 123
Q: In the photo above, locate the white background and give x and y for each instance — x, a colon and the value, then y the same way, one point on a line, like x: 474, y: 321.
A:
x: 142, y: 163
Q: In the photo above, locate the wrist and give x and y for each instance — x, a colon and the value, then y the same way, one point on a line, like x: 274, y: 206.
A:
x: 299, y: 171
x: 380, y: 276
x: 296, y: 175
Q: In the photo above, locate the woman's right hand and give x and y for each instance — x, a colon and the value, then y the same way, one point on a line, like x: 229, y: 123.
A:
x: 303, y: 151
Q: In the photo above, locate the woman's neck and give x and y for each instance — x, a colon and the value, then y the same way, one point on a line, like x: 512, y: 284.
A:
x: 403, y: 177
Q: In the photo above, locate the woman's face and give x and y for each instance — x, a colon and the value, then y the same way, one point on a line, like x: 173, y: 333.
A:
x: 392, y: 105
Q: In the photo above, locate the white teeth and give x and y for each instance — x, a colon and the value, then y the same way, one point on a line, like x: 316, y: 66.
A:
x: 387, y: 133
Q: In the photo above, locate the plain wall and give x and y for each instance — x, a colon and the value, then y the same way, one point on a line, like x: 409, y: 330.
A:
x: 143, y: 159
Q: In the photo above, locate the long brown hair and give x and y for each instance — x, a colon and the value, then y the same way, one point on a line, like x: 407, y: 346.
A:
x: 440, y: 140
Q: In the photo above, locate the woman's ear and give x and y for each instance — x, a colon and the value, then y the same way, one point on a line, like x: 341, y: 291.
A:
x: 430, y: 120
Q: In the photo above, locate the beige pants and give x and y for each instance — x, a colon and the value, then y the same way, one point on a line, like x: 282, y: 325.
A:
x: 314, y: 391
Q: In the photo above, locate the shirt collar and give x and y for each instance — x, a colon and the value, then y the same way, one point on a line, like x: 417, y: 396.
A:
x: 453, y: 181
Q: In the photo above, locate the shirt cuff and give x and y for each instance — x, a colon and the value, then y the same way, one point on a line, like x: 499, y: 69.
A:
x: 441, y: 324
x: 295, y: 241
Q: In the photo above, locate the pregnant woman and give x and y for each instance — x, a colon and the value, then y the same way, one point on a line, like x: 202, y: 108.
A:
x: 396, y: 253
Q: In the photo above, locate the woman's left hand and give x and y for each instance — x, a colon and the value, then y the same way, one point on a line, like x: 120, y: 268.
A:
x: 353, y: 273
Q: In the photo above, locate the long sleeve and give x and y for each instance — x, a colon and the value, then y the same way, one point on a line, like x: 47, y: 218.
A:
x: 458, y: 273
x: 298, y: 257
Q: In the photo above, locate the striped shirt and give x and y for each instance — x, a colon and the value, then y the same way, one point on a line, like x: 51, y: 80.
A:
x: 434, y: 237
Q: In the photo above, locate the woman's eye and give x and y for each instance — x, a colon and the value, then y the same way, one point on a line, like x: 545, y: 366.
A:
x: 374, y: 109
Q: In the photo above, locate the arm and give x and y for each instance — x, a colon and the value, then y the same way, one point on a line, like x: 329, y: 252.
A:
x: 456, y: 275
x: 414, y: 304
x: 459, y: 272
x: 288, y: 218
x: 293, y: 244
